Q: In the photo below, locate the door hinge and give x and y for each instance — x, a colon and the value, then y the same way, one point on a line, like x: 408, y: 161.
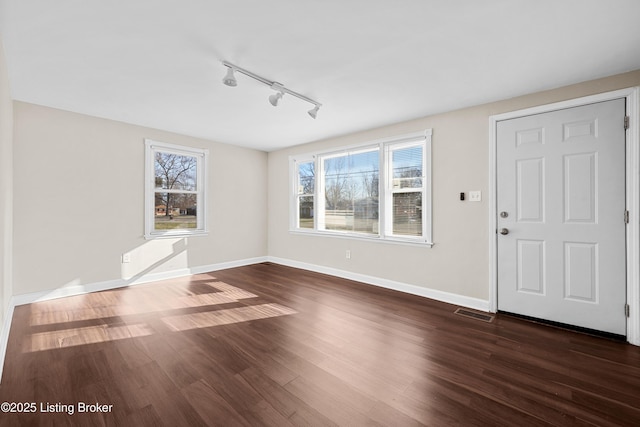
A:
x: 626, y: 217
x: 626, y: 122
x: 626, y: 310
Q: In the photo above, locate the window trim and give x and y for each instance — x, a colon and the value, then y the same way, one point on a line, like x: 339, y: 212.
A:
x: 201, y: 155
x: 384, y: 147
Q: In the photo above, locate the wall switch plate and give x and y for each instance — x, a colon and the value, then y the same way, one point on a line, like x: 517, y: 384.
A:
x: 126, y: 258
x: 475, y: 196
x: 348, y: 254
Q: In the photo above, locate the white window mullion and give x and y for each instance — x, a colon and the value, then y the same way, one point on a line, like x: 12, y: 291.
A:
x: 201, y: 206
x: 382, y: 190
x: 388, y: 195
x: 316, y: 192
x: 320, y: 194
x: 293, y: 194
x: 426, y: 184
x: 157, y: 191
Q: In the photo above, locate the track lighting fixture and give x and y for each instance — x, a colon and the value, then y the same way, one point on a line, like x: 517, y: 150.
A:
x: 275, y: 98
x: 314, y: 111
x: 230, y: 80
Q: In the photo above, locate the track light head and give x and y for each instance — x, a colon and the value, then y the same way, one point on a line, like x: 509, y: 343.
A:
x: 314, y: 111
x: 275, y: 98
x: 230, y: 79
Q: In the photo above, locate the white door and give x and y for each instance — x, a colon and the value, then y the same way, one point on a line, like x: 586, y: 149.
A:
x: 561, y: 216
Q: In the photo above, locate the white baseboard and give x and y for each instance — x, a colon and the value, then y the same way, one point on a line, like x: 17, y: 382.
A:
x: 461, y: 300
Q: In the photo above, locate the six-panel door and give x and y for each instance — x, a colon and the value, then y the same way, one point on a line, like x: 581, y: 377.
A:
x: 561, y: 205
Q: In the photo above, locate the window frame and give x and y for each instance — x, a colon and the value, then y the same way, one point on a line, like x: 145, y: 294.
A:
x: 201, y: 155
x: 385, y: 148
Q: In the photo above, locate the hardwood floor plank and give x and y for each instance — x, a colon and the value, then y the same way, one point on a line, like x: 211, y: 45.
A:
x: 146, y: 416
x: 308, y: 417
x: 265, y: 415
x: 260, y: 359
x: 210, y: 406
x: 482, y: 408
x: 340, y: 411
x: 386, y: 415
x: 282, y: 401
x: 273, y: 393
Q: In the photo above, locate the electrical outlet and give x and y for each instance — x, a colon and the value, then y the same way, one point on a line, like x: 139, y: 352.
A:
x: 348, y: 254
x: 126, y: 258
x: 475, y: 196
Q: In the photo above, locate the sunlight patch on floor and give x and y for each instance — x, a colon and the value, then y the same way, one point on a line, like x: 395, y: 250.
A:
x: 115, y: 304
x: 225, y: 317
x: 81, y: 336
x: 109, y: 304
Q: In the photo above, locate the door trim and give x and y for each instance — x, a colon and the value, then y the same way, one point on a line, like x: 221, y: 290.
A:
x: 632, y: 97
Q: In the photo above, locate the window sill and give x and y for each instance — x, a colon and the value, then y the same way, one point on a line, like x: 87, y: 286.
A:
x: 353, y: 236
x: 175, y: 235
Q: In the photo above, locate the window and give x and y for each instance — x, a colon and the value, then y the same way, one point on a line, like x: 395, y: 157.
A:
x: 174, y: 190
x: 381, y: 190
x: 305, y: 193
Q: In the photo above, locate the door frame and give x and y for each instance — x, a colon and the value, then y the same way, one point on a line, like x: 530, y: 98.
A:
x: 632, y: 97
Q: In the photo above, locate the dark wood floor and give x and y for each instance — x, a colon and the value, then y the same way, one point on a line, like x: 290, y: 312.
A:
x: 272, y: 345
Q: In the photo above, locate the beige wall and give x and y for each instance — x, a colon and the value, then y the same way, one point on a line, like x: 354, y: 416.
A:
x: 6, y: 188
x: 459, y: 261
x: 78, y: 202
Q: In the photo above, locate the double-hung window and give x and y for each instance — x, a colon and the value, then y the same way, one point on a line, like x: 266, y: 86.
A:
x: 380, y: 190
x: 175, y: 178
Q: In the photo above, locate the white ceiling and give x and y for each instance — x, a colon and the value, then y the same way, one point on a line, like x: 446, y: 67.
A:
x: 157, y: 63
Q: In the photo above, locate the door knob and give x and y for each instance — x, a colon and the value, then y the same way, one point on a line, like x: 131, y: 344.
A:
x: 504, y: 231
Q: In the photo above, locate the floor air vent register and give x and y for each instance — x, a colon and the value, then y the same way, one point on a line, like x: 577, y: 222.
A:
x: 475, y: 315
